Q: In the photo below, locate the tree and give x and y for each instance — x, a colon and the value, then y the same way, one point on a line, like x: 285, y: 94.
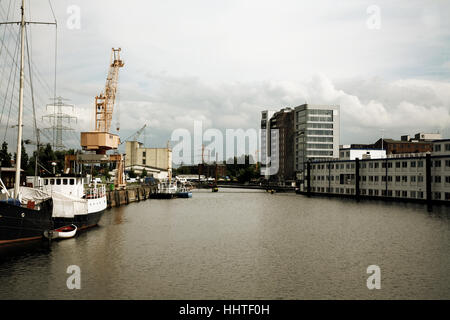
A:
x: 132, y: 174
x: 144, y: 173
x: 24, y: 158
x: 5, y: 156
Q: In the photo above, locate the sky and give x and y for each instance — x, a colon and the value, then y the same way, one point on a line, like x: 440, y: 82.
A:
x: 386, y: 63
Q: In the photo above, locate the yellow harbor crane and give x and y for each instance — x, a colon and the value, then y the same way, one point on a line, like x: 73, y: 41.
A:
x: 101, y: 140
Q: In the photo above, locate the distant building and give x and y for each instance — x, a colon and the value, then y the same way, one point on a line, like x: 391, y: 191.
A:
x: 401, y: 146
x: 266, y: 139
x: 8, y: 176
x: 153, y: 158
x: 441, y: 147
x: 317, y: 134
x: 349, y: 152
x: 283, y: 121
x: 427, y: 136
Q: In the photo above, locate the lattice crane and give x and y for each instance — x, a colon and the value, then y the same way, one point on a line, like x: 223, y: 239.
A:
x: 100, y: 140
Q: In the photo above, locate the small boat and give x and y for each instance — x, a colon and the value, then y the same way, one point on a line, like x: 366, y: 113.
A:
x: 63, y: 232
x: 166, y: 190
x: 183, y: 191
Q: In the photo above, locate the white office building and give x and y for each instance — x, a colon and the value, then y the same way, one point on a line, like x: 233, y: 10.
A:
x: 317, y: 135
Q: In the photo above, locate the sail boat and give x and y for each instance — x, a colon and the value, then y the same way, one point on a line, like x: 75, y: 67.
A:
x: 25, y: 213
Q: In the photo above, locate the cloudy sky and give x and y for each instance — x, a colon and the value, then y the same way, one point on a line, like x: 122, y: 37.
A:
x: 386, y: 63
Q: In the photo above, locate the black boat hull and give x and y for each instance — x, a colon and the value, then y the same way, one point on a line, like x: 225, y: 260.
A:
x: 82, y: 221
x: 161, y: 195
x: 19, y: 224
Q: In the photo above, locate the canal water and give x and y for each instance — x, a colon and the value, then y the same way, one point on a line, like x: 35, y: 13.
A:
x: 242, y: 244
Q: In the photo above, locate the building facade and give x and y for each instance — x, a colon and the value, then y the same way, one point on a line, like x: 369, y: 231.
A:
x: 351, y: 153
x: 137, y: 155
x: 316, y: 135
x: 424, y: 177
x: 265, y: 142
x: 283, y: 121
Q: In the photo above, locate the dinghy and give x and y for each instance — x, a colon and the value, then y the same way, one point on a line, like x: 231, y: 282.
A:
x: 63, y: 232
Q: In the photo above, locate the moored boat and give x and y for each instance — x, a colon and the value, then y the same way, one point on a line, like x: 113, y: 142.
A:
x: 165, y: 190
x: 63, y: 232
x: 75, y: 202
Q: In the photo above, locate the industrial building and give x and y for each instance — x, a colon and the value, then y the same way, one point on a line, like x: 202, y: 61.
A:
x: 415, y: 177
x: 152, y: 159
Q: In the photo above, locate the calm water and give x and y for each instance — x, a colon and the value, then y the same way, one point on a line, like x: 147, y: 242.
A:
x: 239, y: 244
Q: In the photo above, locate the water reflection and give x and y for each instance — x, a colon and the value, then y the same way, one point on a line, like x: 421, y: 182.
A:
x: 243, y: 245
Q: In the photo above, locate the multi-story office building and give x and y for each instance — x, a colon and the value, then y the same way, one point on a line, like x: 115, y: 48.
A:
x: 283, y: 121
x: 317, y: 135
x: 266, y: 137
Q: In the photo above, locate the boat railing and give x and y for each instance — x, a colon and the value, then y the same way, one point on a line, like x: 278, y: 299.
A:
x: 95, y: 192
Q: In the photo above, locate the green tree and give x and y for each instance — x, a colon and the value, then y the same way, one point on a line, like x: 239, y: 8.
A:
x: 132, y: 174
x: 144, y: 173
x: 24, y: 158
x: 5, y: 156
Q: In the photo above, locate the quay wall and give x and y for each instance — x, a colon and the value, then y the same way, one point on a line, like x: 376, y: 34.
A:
x: 116, y: 198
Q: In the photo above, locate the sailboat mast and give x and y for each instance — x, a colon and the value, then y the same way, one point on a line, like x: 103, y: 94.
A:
x: 20, y: 120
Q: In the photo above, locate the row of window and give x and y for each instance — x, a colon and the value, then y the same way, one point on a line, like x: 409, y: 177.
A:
x: 385, y: 193
x: 389, y: 164
x: 59, y: 181
x: 349, y: 178
x: 438, y: 148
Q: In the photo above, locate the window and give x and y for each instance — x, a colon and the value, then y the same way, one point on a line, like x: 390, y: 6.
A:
x: 437, y: 147
x: 437, y: 195
x: 420, y: 164
x: 404, y: 194
x: 376, y: 164
x: 64, y: 181
x: 412, y: 194
x: 419, y: 178
x: 52, y: 182
x: 447, y: 147
x: 397, y: 178
x: 447, y: 163
x: 72, y: 182
x: 397, y: 164
x: 413, y: 164
x: 437, y: 179
x: 58, y: 182
x: 404, y: 178
x: 437, y: 163
x: 389, y: 165
x: 413, y: 178
x: 45, y: 181
x: 447, y: 179
x: 404, y: 164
